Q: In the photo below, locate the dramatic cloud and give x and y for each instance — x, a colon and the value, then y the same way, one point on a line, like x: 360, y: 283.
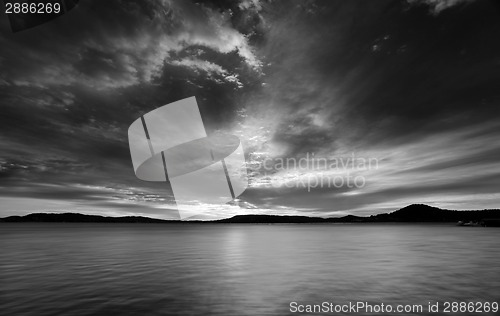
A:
x: 411, y: 85
x: 117, y: 44
x: 437, y: 6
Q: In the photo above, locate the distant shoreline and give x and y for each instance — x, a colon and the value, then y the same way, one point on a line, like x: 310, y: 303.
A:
x: 415, y: 213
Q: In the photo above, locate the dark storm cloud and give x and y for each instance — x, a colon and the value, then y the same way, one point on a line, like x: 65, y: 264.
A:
x: 70, y: 88
x: 410, y: 83
x: 115, y: 43
x: 385, y: 70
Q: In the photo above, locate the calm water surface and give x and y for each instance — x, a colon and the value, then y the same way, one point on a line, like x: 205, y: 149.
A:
x: 162, y: 269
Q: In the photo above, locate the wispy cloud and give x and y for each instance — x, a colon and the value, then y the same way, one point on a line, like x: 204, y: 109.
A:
x: 437, y: 6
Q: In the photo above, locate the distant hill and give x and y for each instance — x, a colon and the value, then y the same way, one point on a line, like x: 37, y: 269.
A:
x: 271, y: 219
x: 80, y: 218
x: 409, y: 214
x: 426, y: 213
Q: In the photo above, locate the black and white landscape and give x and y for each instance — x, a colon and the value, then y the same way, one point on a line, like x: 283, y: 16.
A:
x: 372, y: 126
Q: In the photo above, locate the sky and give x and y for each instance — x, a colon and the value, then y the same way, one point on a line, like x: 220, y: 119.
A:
x: 342, y: 107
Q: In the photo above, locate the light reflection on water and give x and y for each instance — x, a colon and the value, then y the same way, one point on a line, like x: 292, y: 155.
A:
x: 161, y: 269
